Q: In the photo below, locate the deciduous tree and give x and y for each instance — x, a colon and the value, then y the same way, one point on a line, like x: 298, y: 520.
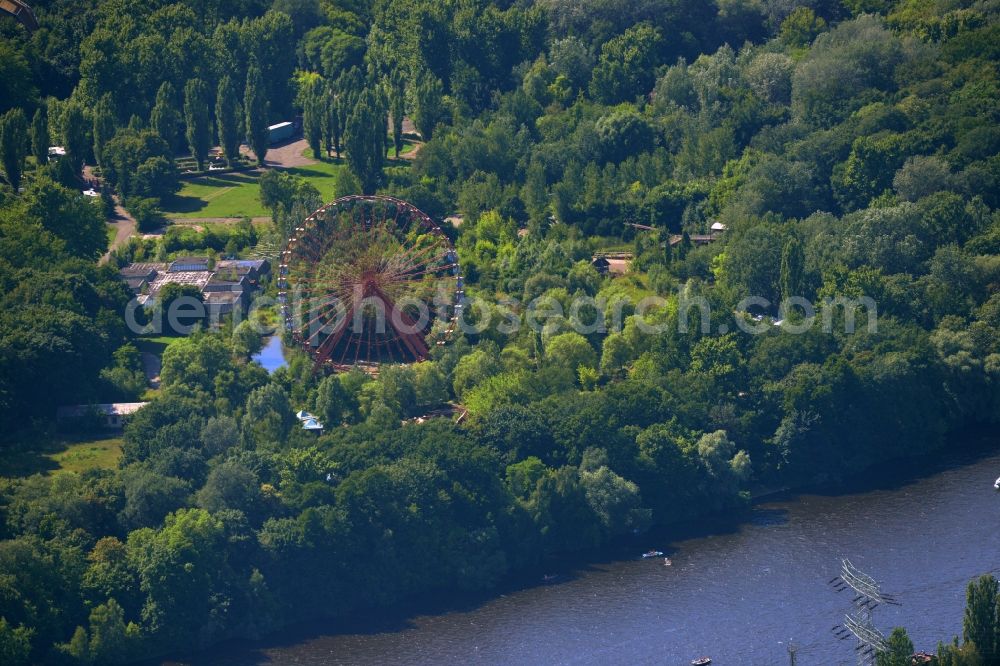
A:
x: 256, y: 107
x: 13, y: 145
x: 104, y: 128
x: 165, y: 118
x: 626, y: 66
x: 397, y: 108
x: 429, y: 109
x: 40, y: 136
x: 227, y: 119
x: 75, y: 139
x: 198, y: 120
x: 314, y: 116
x: 365, y: 140
x: 980, y: 623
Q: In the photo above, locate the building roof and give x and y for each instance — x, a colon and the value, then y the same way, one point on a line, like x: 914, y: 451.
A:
x: 138, y: 270
x: 242, y: 265
x: 196, y: 278
x: 696, y: 239
x: 189, y: 264
x: 617, y: 263
x: 222, y: 297
x: 229, y: 278
x: 718, y: 226
x: 312, y: 424
x: 145, y: 266
x: 227, y: 285
x: 109, y: 409
x: 136, y: 283
x: 619, y: 266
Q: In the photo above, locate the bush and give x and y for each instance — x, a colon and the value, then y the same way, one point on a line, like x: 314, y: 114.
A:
x: 146, y: 213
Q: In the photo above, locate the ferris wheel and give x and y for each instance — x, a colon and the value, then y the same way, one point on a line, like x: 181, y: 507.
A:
x: 363, y: 280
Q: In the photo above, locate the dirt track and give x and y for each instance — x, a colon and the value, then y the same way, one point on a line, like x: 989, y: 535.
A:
x: 285, y: 156
x: 124, y: 225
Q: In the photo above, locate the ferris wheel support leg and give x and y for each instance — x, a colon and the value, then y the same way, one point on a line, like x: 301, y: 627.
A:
x: 327, y: 346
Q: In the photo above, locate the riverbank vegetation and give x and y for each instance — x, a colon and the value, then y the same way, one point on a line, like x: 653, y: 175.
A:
x: 980, y: 640
x: 850, y: 149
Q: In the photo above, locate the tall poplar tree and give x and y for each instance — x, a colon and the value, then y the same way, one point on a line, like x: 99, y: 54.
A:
x: 74, y: 126
x: 792, y: 265
x: 314, y: 117
x: 256, y: 107
x: 165, y: 119
x: 333, y: 129
x: 980, y: 623
x: 104, y: 128
x: 227, y: 118
x: 198, y: 120
x: 13, y: 145
x: 397, y: 108
x: 365, y: 140
x: 429, y: 109
x: 40, y: 138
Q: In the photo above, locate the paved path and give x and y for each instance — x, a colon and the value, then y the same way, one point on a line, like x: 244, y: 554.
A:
x: 124, y: 225
x: 198, y: 221
x: 411, y: 134
x: 122, y: 222
x: 151, y: 364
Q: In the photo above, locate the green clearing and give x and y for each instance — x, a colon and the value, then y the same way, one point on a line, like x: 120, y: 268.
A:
x: 68, y: 455
x: 238, y: 194
x: 408, y: 147
x: 93, y: 454
x: 154, y: 345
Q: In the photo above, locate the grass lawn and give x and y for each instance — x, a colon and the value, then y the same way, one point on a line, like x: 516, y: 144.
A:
x: 408, y: 147
x: 111, y: 232
x: 238, y: 195
x: 154, y: 345
x: 93, y: 454
x: 65, y: 455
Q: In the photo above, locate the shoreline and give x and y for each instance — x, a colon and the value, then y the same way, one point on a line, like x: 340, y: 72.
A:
x: 977, y: 444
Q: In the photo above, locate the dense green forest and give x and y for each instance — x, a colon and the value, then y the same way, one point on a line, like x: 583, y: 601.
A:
x: 851, y: 148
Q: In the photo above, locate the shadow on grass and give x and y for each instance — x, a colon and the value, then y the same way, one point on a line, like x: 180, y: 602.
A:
x: 314, y: 171
x: 153, y: 345
x: 227, y: 179
x: 184, y: 204
x: 54, y: 453
x: 19, y: 464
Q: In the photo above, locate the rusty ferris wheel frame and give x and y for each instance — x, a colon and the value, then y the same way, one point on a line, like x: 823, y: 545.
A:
x: 362, y: 281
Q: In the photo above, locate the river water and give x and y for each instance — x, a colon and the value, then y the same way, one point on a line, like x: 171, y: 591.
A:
x: 738, y: 595
x: 272, y: 354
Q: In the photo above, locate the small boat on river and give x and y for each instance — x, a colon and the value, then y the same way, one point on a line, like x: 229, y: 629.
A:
x: 701, y: 661
x: 652, y: 553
